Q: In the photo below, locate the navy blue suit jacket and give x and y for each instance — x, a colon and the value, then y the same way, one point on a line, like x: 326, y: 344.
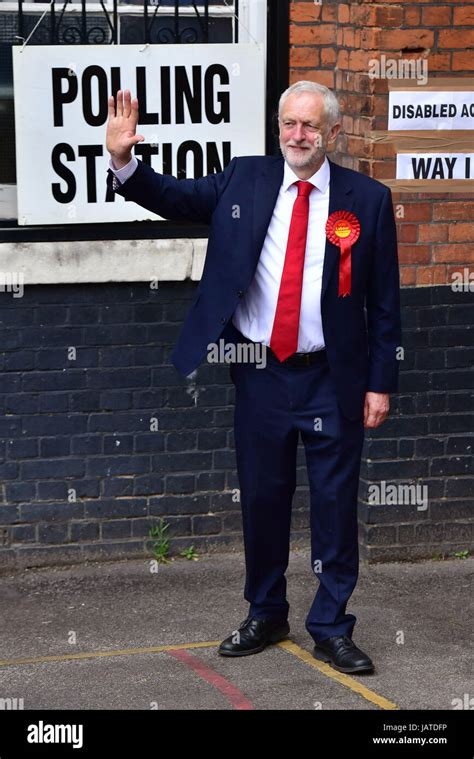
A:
x: 362, y: 331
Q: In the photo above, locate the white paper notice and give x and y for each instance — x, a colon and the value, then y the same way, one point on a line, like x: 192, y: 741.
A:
x: 435, y: 166
x: 412, y: 109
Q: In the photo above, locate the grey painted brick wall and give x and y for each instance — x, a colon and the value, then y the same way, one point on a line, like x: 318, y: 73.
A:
x: 84, y: 424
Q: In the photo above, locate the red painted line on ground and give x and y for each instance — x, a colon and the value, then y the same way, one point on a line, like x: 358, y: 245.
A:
x: 232, y: 694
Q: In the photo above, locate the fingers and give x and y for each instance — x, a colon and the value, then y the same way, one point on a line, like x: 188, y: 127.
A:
x: 126, y: 104
x: 111, y: 106
x: 119, y: 103
x: 373, y: 417
x: 123, y: 105
x: 134, y: 111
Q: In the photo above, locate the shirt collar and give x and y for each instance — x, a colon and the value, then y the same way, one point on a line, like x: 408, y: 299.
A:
x: 320, y: 179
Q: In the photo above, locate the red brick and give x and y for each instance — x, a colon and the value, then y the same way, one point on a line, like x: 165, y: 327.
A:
x: 414, y: 254
x: 389, y: 17
x: 464, y: 16
x: 439, y: 15
x: 329, y: 12
x: 416, y: 211
x: 459, y: 38
x: 431, y: 275
x: 348, y: 37
x: 340, y: 80
x: 453, y: 210
x: 458, y: 253
x: 381, y: 107
x: 370, y: 38
x: 463, y: 61
x: 304, y: 12
x: 433, y: 232
x: 359, y: 60
x: 342, y: 59
x: 348, y: 124
x: 321, y: 76
x: 380, y: 123
x: 363, y: 15
x: 391, y: 2
x: 358, y: 146
x: 439, y: 62
x: 328, y: 56
x: 407, y: 276
x: 344, y: 13
x: 304, y: 56
x: 363, y: 125
x: 461, y: 232
x: 382, y: 150
x: 357, y: 104
x: 364, y: 84
x: 399, y: 39
x: 380, y: 86
x: 383, y: 169
x: 412, y: 16
x: 320, y: 34
x: 407, y: 232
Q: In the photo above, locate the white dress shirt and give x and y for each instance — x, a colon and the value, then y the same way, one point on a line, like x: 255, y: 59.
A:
x: 255, y: 314
x: 125, y: 172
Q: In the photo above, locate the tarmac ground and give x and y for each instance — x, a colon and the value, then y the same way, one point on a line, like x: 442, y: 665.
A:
x: 121, y: 636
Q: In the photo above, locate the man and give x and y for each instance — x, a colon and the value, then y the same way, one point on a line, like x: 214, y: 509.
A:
x: 302, y: 258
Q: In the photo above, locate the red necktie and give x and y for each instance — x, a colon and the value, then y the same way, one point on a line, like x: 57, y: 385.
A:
x: 284, y: 339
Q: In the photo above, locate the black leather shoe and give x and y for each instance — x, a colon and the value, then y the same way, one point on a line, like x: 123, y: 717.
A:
x: 343, y: 655
x: 252, y: 636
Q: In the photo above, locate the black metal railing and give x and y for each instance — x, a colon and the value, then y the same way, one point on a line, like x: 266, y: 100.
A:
x: 147, y: 24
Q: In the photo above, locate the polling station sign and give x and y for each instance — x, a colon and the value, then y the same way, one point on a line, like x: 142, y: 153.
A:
x: 200, y: 106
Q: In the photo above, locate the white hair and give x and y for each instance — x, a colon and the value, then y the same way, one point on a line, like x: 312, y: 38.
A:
x: 331, y: 103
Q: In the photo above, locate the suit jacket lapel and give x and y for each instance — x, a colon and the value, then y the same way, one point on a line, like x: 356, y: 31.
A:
x: 267, y: 187
x: 341, y: 198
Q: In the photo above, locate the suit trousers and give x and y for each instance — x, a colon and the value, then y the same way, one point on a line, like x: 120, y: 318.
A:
x: 273, y: 406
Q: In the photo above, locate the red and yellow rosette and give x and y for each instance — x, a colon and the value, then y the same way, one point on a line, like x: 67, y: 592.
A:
x: 343, y: 230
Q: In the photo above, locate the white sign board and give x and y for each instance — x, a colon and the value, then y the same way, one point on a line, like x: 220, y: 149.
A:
x: 200, y: 106
x: 414, y: 109
x: 435, y: 166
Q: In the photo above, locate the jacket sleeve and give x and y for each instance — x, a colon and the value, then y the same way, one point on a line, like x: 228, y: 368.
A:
x: 171, y: 198
x: 383, y: 304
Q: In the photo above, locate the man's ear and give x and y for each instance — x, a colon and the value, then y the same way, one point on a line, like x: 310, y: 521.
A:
x: 333, y: 134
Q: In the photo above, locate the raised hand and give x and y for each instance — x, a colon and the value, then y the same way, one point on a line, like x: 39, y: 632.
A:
x: 121, y: 128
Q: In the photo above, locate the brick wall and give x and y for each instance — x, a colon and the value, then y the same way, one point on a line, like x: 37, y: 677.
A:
x: 427, y: 437
x: 333, y: 43
x: 83, y: 424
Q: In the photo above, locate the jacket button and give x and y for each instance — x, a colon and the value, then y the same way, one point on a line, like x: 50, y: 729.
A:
x: 223, y: 320
x: 240, y: 293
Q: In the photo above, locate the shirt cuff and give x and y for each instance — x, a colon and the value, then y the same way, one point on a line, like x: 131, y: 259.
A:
x: 126, y: 171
